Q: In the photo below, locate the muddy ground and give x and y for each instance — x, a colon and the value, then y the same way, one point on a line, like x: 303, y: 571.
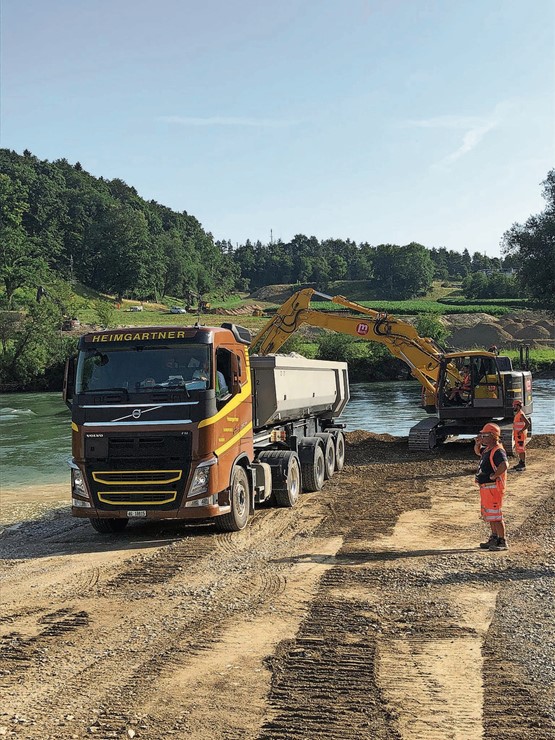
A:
x: 367, y: 611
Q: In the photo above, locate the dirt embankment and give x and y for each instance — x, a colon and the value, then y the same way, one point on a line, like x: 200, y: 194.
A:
x: 367, y: 611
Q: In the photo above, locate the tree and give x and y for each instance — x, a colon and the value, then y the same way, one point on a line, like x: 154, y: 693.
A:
x: 20, y: 265
x: 35, y: 345
x: 534, y: 244
x: 401, y: 272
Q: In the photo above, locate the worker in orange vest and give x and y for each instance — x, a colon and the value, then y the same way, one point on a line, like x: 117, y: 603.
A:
x: 521, y: 425
x: 491, y: 477
x: 463, y: 390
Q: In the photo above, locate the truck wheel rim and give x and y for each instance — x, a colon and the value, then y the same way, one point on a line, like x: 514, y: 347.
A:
x: 241, y: 499
x: 295, y: 481
x: 320, y: 468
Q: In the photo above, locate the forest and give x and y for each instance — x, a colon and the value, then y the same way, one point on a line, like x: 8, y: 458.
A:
x: 59, y: 221
x: 61, y: 226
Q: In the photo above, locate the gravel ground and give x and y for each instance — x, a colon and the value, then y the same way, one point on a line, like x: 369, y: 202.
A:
x: 366, y: 611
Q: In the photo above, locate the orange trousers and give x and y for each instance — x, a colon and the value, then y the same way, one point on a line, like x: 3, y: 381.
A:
x: 491, y: 501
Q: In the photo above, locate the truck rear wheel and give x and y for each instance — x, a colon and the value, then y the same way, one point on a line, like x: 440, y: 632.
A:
x: 339, y: 439
x: 329, y: 453
x: 108, y: 526
x: 313, y: 472
x: 240, y: 503
x: 286, y: 475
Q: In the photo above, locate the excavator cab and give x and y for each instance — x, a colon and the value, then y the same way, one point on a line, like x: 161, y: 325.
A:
x: 469, y: 380
x: 476, y: 384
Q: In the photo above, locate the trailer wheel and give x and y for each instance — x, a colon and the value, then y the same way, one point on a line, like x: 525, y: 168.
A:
x: 239, y: 499
x: 329, y: 453
x: 339, y: 439
x: 108, y: 526
x: 288, y: 496
x: 313, y: 472
x: 286, y: 475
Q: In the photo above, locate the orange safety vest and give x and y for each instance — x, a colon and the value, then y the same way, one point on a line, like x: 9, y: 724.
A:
x: 502, y: 480
x: 519, y: 427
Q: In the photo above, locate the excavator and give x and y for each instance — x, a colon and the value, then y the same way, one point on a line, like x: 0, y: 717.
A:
x: 463, y: 390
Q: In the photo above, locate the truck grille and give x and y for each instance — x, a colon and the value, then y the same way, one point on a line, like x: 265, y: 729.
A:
x: 138, y: 469
x: 152, y: 447
x: 141, y: 477
x: 142, y: 498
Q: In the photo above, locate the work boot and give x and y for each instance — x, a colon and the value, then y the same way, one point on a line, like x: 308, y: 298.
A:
x: 520, y: 467
x: 500, y: 544
x: 492, y: 541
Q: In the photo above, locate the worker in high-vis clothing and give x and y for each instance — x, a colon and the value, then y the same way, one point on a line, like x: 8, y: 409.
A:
x: 491, y: 477
x: 521, y: 425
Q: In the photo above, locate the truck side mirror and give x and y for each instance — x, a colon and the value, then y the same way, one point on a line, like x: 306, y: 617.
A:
x: 69, y: 381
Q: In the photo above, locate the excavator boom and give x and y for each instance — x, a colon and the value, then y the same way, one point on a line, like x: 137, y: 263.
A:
x: 421, y: 354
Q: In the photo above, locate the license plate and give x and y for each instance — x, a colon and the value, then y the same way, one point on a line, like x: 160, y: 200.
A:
x: 135, y: 513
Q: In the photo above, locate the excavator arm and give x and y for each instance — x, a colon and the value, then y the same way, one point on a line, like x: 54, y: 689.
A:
x: 421, y: 354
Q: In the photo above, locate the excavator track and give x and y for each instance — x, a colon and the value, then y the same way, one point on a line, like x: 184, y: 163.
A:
x: 422, y: 437
x: 507, y: 438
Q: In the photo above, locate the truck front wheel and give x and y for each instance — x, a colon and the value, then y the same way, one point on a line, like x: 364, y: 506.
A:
x: 240, y: 504
x: 108, y: 526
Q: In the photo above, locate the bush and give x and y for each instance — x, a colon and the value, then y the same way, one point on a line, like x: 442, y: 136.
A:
x: 295, y: 343
x: 428, y: 325
x: 105, y: 312
x: 337, y: 347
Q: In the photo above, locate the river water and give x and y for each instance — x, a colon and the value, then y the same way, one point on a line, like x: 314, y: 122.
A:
x: 36, y: 434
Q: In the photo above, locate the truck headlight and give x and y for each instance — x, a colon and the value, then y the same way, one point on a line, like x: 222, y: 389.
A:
x: 201, y: 479
x: 78, y: 484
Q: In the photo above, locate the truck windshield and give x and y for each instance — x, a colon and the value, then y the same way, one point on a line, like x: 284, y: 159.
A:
x: 141, y: 368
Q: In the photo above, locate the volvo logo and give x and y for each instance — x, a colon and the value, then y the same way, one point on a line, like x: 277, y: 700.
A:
x: 137, y: 414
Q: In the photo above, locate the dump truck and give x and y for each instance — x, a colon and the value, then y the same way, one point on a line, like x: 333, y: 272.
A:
x: 461, y: 390
x: 184, y: 424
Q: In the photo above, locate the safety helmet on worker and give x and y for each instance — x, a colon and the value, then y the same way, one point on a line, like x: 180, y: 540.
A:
x: 492, y: 429
x: 516, y: 403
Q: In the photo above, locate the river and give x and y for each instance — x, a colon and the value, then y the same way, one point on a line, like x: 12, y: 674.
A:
x: 36, y: 433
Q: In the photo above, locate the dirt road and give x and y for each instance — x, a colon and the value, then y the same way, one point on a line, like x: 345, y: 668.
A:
x: 364, y: 612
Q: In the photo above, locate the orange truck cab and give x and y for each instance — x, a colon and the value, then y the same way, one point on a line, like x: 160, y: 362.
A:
x: 181, y: 423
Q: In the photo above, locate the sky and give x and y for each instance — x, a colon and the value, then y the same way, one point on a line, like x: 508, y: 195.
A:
x: 381, y: 121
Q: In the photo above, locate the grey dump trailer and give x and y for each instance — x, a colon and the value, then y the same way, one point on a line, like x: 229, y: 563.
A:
x: 296, y: 404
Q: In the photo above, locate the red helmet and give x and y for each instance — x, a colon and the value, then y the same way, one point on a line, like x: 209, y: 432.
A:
x: 516, y: 403
x: 492, y: 429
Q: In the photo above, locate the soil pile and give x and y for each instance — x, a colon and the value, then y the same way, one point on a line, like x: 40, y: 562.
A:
x: 510, y: 331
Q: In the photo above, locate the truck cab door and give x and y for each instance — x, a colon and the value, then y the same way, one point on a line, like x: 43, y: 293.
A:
x: 231, y: 365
